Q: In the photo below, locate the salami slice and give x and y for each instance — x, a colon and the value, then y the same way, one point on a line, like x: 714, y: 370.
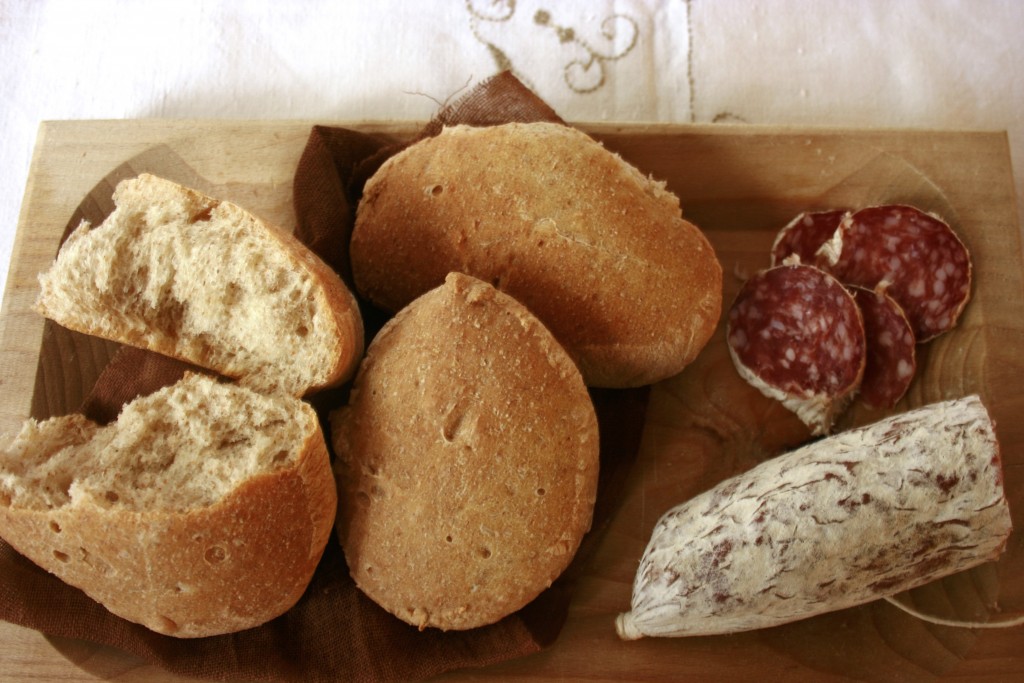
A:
x: 795, y: 333
x: 914, y: 256
x: 804, y: 235
x: 846, y: 520
x: 891, y: 354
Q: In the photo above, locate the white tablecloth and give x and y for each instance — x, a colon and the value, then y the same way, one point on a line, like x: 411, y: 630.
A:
x: 864, y: 63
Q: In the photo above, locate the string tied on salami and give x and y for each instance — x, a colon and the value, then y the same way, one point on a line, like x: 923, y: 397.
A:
x: 957, y: 623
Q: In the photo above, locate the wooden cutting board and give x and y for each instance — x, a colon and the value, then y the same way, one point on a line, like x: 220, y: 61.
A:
x: 739, y: 184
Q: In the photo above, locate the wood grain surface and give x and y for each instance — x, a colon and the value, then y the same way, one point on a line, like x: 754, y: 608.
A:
x: 739, y: 184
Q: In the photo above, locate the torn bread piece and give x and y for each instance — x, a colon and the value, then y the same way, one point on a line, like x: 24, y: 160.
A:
x: 203, y: 280
x: 202, y: 510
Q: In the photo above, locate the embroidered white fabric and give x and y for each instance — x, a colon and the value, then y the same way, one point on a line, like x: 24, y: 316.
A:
x: 872, y: 63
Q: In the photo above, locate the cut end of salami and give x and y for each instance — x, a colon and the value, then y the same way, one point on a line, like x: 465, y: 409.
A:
x: 800, y: 239
x: 796, y: 334
x: 846, y: 520
x: 915, y: 256
x: 891, y: 349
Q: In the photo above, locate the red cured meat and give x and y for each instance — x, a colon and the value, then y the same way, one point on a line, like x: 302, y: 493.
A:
x: 796, y: 334
x: 914, y: 256
x: 804, y: 235
x: 891, y: 354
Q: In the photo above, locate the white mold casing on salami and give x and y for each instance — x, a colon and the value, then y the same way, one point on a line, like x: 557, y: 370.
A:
x: 841, y: 522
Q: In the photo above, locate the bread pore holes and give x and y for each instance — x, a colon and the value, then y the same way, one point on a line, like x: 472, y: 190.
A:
x: 452, y: 424
x: 203, y: 215
x: 435, y: 190
x: 215, y: 555
x: 232, y: 294
x: 55, y: 527
x: 168, y: 315
x: 231, y: 443
x: 61, y: 556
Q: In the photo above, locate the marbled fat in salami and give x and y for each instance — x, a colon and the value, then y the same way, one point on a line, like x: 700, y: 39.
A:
x: 914, y: 256
x: 804, y: 235
x: 891, y: 354
x: 795, y: 333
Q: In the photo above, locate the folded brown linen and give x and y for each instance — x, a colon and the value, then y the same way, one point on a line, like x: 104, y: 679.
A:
x: 334, y: 632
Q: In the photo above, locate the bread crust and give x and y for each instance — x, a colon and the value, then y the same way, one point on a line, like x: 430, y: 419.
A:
x: 467, y: 459
x: 218, y: 569
x: 600, y: 253
x: 339, y: 302
x: 90, y: 305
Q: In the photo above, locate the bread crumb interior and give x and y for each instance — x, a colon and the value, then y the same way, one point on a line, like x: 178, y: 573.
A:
x: 196, y: 277
x: 181, y: 448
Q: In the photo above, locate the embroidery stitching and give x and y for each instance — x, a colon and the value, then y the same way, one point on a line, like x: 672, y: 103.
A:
x: 581, y: 75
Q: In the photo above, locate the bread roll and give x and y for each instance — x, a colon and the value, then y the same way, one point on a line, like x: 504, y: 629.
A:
x: 202, y: 510
x: 203, y: 280
x: 467, y: 459
x: 596, y: 250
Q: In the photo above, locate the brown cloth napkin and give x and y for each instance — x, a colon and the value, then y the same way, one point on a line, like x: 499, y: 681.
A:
x: 334, y: 632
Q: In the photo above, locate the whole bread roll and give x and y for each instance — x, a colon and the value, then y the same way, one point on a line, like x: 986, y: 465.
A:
x: 467, y: 459
x: 203, y: 280
x: 599, y: 252
x: 202, y: 510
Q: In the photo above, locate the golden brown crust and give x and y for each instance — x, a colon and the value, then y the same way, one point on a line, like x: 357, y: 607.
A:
x: 230, y: 566
x: 598, y: 252
x: 467, y: 459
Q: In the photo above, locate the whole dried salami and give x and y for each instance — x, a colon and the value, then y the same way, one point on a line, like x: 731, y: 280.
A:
x: 795, y: 333
x: 914, y: 256
x: 803, y: 236
x: 854, y: 517
x: 891, y: 354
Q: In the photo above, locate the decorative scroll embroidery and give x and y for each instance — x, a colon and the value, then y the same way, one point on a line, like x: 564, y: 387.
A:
x: 586, y: 71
